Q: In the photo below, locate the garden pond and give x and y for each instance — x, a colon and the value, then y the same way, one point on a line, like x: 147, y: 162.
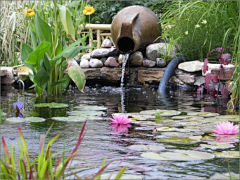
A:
x: 170, y: 135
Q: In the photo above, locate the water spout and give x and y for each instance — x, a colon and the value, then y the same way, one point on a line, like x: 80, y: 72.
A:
x: 125, y: 59
x: 23, y: 85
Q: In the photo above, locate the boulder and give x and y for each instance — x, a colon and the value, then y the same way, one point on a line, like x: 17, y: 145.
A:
x: 84, y: 63
x: 161, y: 62
x: 86, y: 56
x: 157, y: 50
x: 111, y: 62
x: 95, y: 63
x: 104, y: 52
x: 136, y: 58
x: 148, y: 63
x: 191, y: 66
x: 107, y: 43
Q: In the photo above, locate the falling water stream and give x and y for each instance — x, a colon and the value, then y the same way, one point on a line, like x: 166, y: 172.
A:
x: 125, y: 59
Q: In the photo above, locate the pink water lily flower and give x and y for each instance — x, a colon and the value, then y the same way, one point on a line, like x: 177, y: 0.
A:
x: 120, y: 119
x: 226, y: 128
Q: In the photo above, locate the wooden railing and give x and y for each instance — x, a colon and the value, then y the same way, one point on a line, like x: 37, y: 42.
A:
x: 98, y: 28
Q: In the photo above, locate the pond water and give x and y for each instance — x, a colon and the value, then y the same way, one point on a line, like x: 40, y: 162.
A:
x: 101, y: 141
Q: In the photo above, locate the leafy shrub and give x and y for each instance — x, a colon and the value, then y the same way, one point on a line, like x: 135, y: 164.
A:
x: 201, y: 26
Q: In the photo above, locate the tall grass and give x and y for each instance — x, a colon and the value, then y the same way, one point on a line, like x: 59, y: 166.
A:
x: 201, y: 26
x: 15, y: 26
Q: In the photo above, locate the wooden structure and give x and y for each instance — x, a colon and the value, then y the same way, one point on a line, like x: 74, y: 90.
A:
x: 98, y: 28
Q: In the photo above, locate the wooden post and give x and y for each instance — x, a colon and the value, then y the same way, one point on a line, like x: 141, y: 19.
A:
x: 98, y: 38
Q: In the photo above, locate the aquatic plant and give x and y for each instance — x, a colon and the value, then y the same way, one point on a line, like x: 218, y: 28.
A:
x: 42, y: 167
x: 120, y: 119
x: 47, y: 58
x: 18, y: 105
x: 226, y: 128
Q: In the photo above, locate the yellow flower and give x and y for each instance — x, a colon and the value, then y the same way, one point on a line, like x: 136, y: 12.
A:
x: 197, y: 26
x: 204, y: 22
x: 29, y: 12
x: 88, y: 10
x: 186, y: 33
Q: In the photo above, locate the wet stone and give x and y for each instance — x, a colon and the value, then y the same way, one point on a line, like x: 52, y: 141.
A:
x: 84, y: 63
x: 96, y: 63
x: 103, y: 52
x: 148, y: 63
x: 111, y: 62
x: 136, y: 58
x: 107, y: 43
x: 161, y: 62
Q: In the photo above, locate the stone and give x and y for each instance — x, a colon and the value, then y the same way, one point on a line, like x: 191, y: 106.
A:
x: 225, y: 73
x: 199, y: 80
x: 136, y: 58
x: 6, y: 74
x: 111, y: 62
x: 174, y: 79
x: 120, y: 58
x: 148, y: 63
x: 107, y: 43
x: 187, y: 78
x: 103, y: 59
x: 149, y: 76
x: 86, y: 56
x: 84, y: 63
x: 161, y: 62
x: 191, y: 66
x: 157, y: 50
x: 104, y: 52
x: 95, y: 63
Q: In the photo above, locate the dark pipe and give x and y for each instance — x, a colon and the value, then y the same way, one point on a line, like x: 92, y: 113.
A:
x: 168, y: 73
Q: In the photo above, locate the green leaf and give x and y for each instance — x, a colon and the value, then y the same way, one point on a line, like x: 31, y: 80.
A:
x: 41, y: 78
x: 74, y: 52
x: 69, y: 48
x: 120, y: 173
x: 76, y: 73
x: 33, y: 36
x: 66, y: 20
x: 44, y: 32
x: 26, y: 50
x: 37, y: 54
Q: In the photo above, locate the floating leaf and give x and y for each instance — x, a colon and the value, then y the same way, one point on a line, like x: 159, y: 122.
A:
x: 27, y: 119
x: 91, y: 108
x: 146, y: 147
x: 225, y: 176
x: 166, y: 129
x: 203, y: 114
x: 179, y: 155
x: 152, y: 155
x: 176, y: 134
x: 51, y: 105
x: 16, y: 120
x: 86, y: 113
x: 178, y: 140
x: 70, y: 119
x: 227, y: 154
x: 187, y: 117
x: 234, y: 118
x: 213, y: 145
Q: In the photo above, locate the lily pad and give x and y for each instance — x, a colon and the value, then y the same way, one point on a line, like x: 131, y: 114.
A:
x: 51, y: 105
x: 178, y: 140
x: 179, y: 155
x: 227, y: 154
x: 146, y: 147
x: 234, y: 118
x: 166, y: 129
x: 124, y: 176
x: 91, y: 108
x: 176, y: 134
x: 187, y: 117
x: 213, y: 145
x: 16, y: 120
x: 27, y: 119
x: 86, y: 113
x: 203, y: 114
x: 75, y: 118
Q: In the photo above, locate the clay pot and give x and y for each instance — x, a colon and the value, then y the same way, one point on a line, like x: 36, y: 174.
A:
x: 134, y: 27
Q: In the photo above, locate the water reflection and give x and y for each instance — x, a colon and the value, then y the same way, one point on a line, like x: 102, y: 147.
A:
x: 120, y: 128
